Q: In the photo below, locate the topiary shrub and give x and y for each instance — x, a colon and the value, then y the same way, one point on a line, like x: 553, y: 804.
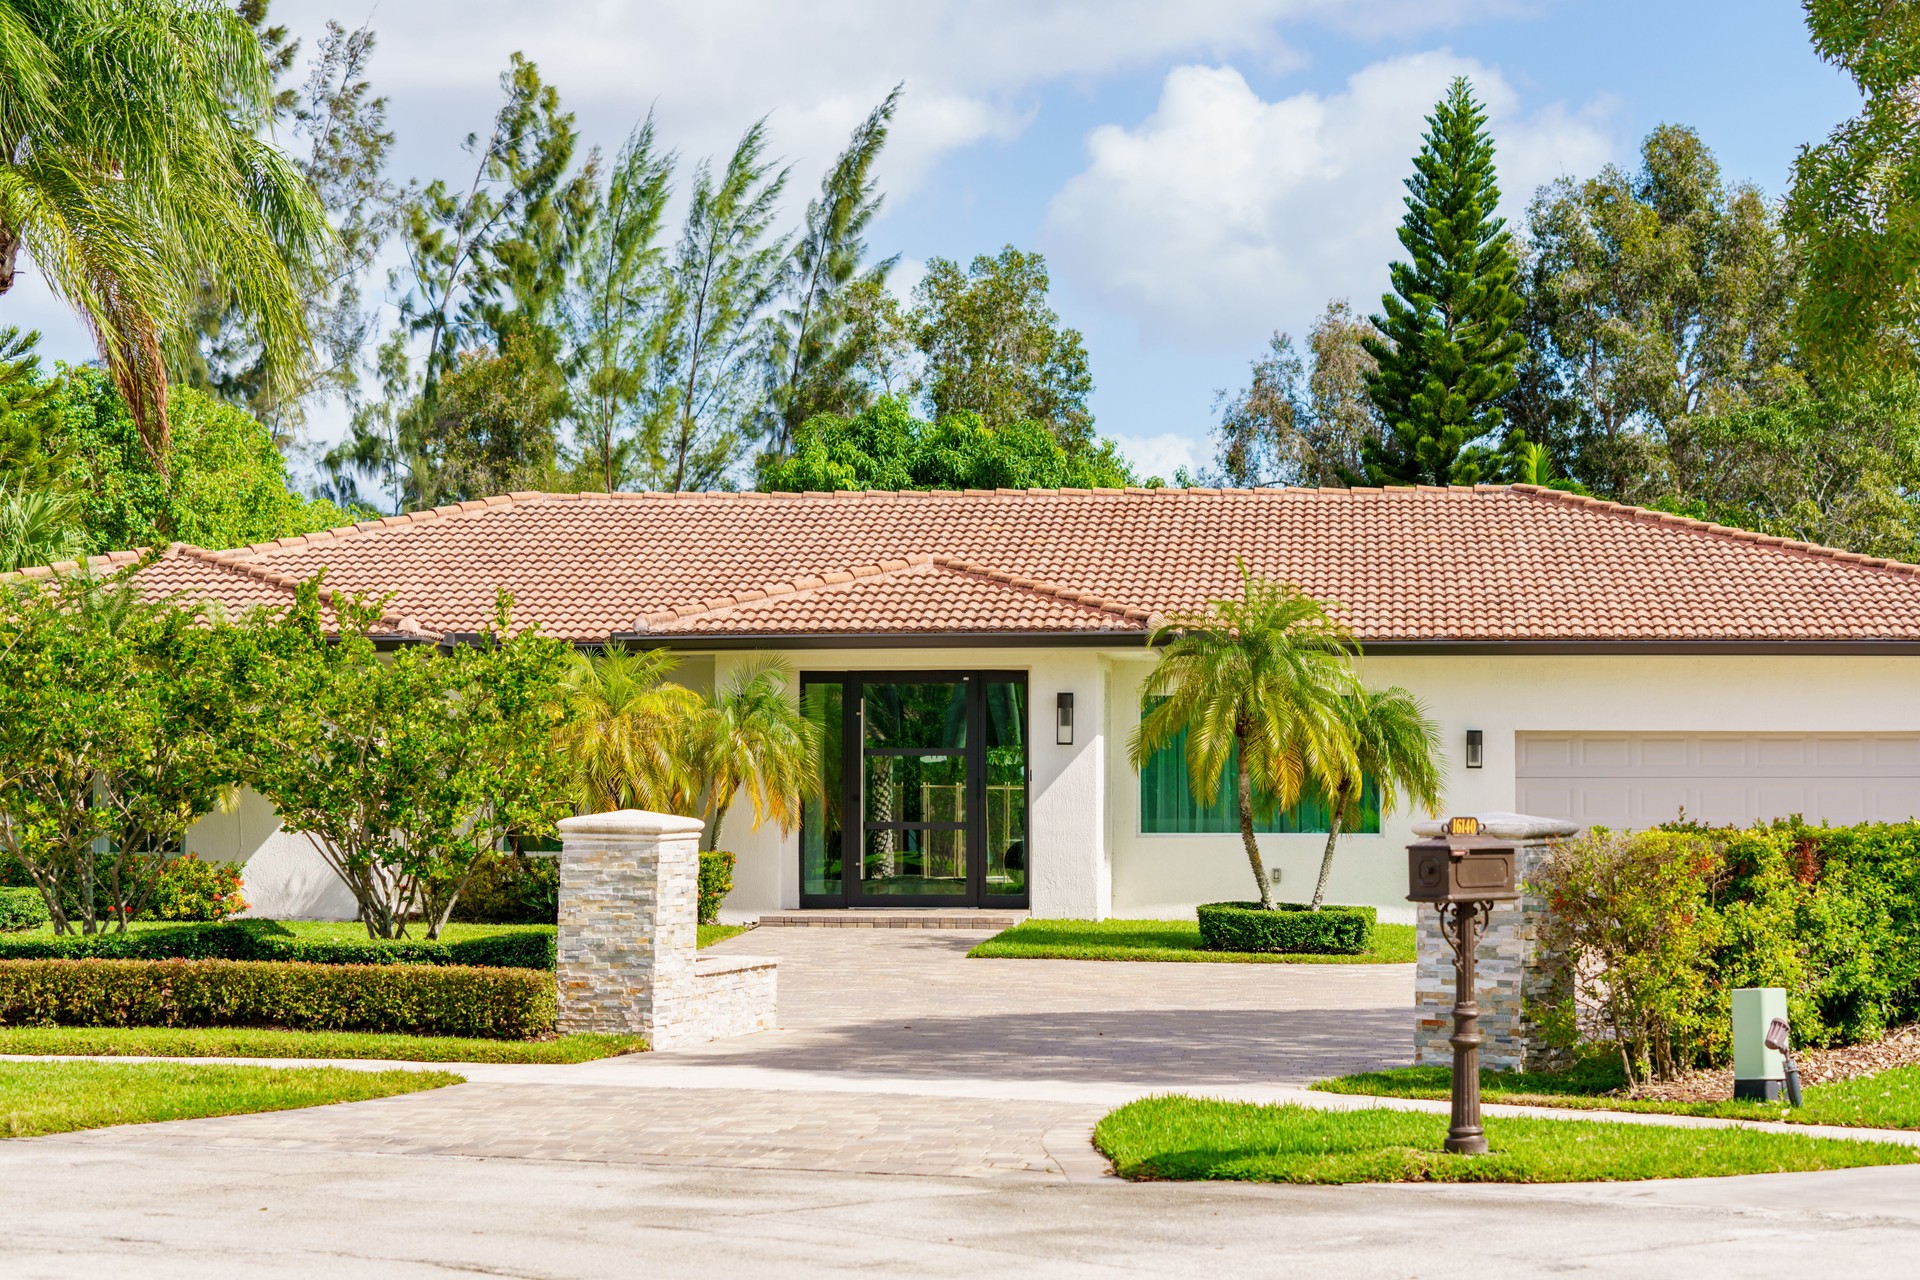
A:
x: 21, y: 909
x: 499, y: 1004
x: 1291, y: 927
x: 189, y: 889
x: 716, y: 882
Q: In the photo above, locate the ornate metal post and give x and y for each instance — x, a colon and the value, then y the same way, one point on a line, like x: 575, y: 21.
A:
x: 1462, y: 924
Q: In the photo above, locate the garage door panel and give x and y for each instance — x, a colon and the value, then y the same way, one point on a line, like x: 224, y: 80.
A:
x: 1641, y: 780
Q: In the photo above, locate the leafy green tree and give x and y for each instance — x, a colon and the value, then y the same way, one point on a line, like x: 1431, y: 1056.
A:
x: 1396, y: 747
x: 994, y: 346
x: 1300, y: 425
x: 225, y: 484
x: 495, y: 423
x: 1447, y: 351
x: 721, y: 281
x: 1661, y: 293
x: 132, y: 162
x: 1261, y: 683
x: 629, y: 735
x: 753, y: 738
x: 407, y: 774
x: 815, y: 351
x: 886, y: 447
x: 1855, y: 199
x: 614, y: 308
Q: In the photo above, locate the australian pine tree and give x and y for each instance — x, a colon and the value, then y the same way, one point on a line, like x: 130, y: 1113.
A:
x: 1448, y: 349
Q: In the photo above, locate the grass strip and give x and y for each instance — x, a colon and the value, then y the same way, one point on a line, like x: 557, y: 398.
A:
x: 1180, y: 1138
x: 59, y: 1097
x: 249, y: 1042
x: 712, y: 933
x: 1172, y: 940
x: 1886, y: 1100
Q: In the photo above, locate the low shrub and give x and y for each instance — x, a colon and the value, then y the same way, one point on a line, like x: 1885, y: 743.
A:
x: 1291, y: 928
x: 716, y: 882
x: 189, y: 889
x: 498, y: 1004
x: 515, y: 889
x: 21, y: 909
x: 267, y: 940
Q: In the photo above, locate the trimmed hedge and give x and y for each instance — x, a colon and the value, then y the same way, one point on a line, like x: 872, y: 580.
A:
x: 1291, y: 928
x: 262, y: 940
x: 716, y: 882
x: 497, y: 1004
x: 21, y: 909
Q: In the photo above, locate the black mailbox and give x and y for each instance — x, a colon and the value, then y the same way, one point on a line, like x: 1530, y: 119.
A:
x: 1461, y: 868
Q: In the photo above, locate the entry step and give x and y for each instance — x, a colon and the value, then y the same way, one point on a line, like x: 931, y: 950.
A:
x: 896, y: 918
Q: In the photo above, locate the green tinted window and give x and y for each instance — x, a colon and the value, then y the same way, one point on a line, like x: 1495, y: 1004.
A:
x: 1167, y: 806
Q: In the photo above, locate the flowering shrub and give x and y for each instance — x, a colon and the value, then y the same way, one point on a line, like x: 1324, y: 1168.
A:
x: 189, y: 889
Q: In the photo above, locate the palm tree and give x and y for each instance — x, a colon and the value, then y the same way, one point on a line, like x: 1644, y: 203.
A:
x: 132, y: 166
x: 1260, y: 681
x: 1397, y: 746
x: 753, y: 737
x: 631, y: 732
x: 36, y: 527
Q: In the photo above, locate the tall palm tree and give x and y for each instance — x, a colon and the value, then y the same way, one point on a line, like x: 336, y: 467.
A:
x: 132, y: 165
x: 754, y: 738
x: 631, y: 732
x: 1397, y: 746
x: 1260, y: 681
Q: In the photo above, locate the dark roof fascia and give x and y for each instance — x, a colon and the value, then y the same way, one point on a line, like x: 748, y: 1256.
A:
x: 1406, y: 648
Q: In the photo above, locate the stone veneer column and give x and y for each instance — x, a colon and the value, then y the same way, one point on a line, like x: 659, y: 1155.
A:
x: 1515, y: 977
x: 629, y: 884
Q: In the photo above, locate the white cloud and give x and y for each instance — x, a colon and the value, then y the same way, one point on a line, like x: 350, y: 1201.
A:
x: 1161, y: 455
x: 1222, y: 216
x: 712, y: 66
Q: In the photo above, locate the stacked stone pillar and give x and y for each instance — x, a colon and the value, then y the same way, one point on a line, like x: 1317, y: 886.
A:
x: 1516, y: 977
x: 626, y: 953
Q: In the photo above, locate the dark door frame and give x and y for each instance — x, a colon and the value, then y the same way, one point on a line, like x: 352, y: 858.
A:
x: 853, y: 825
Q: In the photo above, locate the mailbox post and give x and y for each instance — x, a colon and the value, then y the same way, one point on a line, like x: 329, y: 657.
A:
x: 1463, y: 874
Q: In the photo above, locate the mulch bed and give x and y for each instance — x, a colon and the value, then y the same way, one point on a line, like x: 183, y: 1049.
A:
x: 1900, y: 1048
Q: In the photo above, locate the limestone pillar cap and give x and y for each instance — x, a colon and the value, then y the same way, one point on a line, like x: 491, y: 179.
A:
x: 1503, y: 826
x: 630, y: 822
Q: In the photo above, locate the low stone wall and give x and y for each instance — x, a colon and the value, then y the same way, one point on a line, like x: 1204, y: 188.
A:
x: 1513, y: 976
x: 626, y: 961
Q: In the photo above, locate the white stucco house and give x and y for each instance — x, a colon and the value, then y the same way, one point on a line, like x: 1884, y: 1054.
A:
x: 980, y: 656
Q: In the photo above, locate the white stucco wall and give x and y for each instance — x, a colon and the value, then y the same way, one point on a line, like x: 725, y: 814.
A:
x: 284, y: 878
x: 1163, y: 876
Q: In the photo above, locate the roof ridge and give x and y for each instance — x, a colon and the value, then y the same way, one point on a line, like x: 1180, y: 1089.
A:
x: 405, y: 519
x: 1707, y: 528
x: 286, y: 582
x: 1091, y: 600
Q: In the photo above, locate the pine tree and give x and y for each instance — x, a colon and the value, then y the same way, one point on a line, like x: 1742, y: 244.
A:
x: 1448, y: 349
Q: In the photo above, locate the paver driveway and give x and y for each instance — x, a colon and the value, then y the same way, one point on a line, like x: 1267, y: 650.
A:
x: 896, y: 1054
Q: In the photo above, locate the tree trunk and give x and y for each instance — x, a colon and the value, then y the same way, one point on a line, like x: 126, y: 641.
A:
x: 1339, y: 811
x: 1244, y: 782
x: 9, y: 257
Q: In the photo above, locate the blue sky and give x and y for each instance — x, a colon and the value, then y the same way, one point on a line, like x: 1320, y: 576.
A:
x: 1198, y: 173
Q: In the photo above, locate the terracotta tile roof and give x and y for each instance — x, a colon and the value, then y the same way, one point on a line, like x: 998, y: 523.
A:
x: 1408, y: 564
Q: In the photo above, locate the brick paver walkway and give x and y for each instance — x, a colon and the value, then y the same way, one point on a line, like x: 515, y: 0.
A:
x: 896, y: 1055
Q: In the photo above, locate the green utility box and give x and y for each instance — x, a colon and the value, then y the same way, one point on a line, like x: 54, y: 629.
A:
x: 1757, y: 1070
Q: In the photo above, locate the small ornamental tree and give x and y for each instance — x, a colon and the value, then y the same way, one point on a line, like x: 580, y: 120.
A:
x: 752, y: 738
x: 1261, y: 683
x: 1396, y: 746
x: 407, y: 772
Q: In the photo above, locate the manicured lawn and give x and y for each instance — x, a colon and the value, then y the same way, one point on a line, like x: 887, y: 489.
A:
x: 58, y: 1097
x: 1189, y: 1139
x: 1164, y: 940
x: 354, y: 931
x: 1888, y: 1100
x: 712, y: 933
x: 249, y: 1042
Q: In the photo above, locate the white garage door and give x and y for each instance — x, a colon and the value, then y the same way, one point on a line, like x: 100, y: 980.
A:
x: 1641, y: 779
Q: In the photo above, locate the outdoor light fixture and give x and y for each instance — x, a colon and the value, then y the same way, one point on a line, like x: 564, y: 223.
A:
x: 1063, y: 719
x: 1474, y: 740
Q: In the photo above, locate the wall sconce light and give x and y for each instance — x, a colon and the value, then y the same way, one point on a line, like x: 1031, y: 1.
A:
x: 1474, y: 740
x: 1063, y: 719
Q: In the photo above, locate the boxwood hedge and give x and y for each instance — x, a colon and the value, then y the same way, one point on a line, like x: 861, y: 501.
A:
x: 1290, y: 927
x: 448, y: 1000
x: 264, y: 940
x: 21, y: 909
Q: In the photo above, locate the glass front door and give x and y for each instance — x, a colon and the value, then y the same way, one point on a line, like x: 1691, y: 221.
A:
x: 923, y: 796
